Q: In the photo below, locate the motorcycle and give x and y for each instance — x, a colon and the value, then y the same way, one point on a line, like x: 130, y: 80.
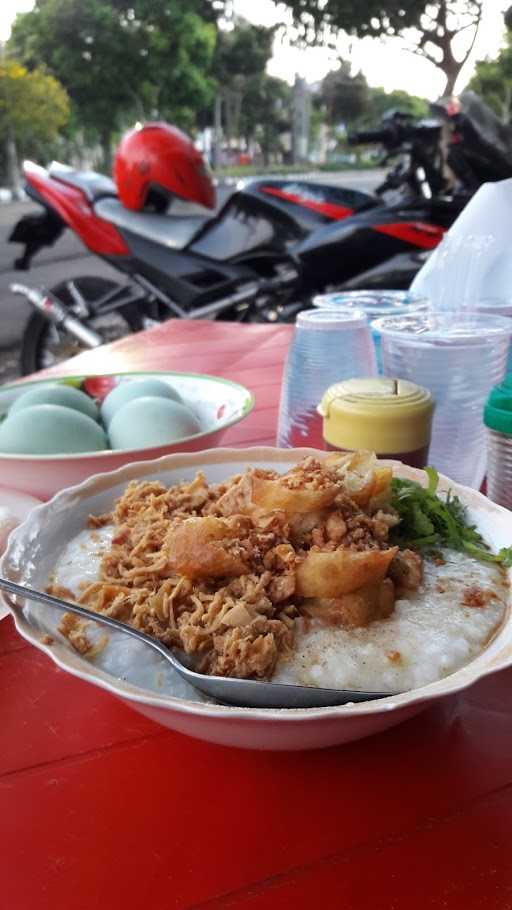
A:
x: 271, y: 247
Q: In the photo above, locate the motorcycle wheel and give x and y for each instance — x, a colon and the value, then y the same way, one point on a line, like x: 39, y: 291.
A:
x: 44, y: 344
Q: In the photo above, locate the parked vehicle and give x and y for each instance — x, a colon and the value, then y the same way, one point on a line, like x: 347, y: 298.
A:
x: 271, y: 246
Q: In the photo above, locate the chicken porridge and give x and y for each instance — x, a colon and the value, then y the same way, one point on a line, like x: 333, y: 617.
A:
x: 333, y: 574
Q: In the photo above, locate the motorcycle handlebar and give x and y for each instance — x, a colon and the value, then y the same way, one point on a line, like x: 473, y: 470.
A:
x: 368, y: 136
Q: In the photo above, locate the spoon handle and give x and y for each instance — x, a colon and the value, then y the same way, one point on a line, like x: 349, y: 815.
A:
x: 50, y: 601
x: 227, y: 690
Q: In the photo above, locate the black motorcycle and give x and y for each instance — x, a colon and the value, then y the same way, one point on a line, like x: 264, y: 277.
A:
x: 273, y: 245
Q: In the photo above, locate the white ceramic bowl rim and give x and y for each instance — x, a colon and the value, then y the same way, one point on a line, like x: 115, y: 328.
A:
x: 223, y: 424
x: 68, y: 660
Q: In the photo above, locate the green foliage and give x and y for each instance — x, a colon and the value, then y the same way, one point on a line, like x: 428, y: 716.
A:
x: 265, y: 113
x: 381, y: 102
x: 493, y: 80
x: 373, y: 17
x: 345, y: 97
x: 121, y: 61
x: 127, y: 60
x: 255, y: 106
x: 33, y: 106
x: 349, y: 100
x: 429, y: 27
x: 241, y: 55
x: 427, y: 521
x: 242, y: 51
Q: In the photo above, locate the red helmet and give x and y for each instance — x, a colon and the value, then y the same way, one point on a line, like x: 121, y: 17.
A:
x: 160, y: 157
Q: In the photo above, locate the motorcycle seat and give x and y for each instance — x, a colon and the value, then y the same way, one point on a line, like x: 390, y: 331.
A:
x: 93, y: 185
x: 172, y: 231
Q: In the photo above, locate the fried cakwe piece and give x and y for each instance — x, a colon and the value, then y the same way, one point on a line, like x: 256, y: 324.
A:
x: 331, y: 574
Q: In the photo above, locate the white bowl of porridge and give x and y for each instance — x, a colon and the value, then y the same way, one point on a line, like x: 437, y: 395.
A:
x: 276, y: 575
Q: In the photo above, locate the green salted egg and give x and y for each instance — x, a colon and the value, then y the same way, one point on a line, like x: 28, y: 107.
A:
x: 150, y: 421
x: 50, y: 429
x: 135, y: 388
x: 64, y: 395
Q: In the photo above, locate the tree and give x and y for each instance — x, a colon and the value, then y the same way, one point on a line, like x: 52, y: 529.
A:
x: 344, y: 96
x: 427, y: 27
x: 265, y: 113
x: 493, y: 78
x: 33, y: 108
x: 241, y: 55
x: 381, y: 102
x: 350, y: 101
x: 493, y: 82
x: 122, y: 60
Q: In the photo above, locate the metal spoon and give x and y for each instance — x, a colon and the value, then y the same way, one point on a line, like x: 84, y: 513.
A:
x: 249, y: 693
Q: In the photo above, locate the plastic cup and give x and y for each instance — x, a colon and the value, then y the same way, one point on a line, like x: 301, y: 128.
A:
x: 496, y: 306
x: 351, y: 298
x: 459, y: 360
x: 327, y: 346
x: 374, y: 305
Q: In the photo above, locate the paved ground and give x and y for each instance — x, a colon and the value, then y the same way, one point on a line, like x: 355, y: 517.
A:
x: 68, y: 258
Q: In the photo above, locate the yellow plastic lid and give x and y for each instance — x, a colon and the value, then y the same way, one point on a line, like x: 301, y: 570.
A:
x: 387, y: 416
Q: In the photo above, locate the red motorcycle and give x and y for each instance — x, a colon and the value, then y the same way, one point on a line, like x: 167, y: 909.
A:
x: 271, y: 246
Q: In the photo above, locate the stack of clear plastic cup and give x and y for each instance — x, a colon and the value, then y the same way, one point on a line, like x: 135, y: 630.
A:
x: 327, y: 346
x: 374, y: 304
x: 458, y: 360
x: 496, y: 306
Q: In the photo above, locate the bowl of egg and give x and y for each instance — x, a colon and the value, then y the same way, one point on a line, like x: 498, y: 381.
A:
x: 55, y: 433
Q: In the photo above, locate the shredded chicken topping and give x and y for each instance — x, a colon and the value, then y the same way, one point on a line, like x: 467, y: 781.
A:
x: 225, y: 571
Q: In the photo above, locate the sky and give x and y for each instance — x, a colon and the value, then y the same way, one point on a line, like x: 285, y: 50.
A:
x: 384, y: 63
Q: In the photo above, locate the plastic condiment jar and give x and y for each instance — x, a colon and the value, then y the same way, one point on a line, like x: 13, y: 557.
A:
x: 391, y: 417
x: 498, y: 420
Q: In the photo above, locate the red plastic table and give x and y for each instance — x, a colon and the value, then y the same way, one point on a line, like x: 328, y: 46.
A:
x: 101, y: 809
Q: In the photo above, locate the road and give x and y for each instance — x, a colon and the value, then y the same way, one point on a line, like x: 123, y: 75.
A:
x: 69, y: 258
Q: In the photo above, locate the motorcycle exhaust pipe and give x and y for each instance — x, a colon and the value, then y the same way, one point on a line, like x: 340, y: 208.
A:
x: 55, y: 312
